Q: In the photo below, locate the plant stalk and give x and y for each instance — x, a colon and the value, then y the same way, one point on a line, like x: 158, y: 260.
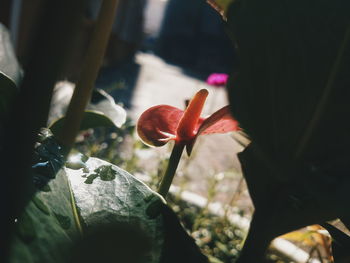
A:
x: 257, y: 241
x: 90, y: 69
x: 171, y: 169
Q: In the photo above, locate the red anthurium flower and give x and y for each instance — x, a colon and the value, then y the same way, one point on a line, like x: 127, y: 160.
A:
x: 162, y: 123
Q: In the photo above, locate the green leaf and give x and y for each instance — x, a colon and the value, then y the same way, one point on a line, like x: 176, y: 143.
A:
x: 112, y: 208
x: 91, y: 119
x: 101, y: 103
x: 45, y: 232
x: 10, y: 71
x: 107, y: 195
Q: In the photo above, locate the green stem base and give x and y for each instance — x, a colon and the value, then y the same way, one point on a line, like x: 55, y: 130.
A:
x: 171, y: 169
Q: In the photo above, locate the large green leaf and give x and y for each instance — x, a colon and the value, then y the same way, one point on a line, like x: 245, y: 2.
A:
x: 46, y: 230
x: 91, y: 119
x: 114, y: 210
x: 108, y: 195
x: 10, y: 71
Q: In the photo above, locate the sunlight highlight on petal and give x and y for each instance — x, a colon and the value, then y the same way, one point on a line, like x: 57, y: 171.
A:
x: 188, y: 124
x: 220, y: 121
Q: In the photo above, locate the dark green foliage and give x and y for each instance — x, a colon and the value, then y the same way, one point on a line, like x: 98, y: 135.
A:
x: 25, y: 228
x: 118, y: 242
x: 41, y: 205
x: 64, y: 221
x: 287, y: 50
x: 178, y: 245
x: 10, y: 72
x: 45, y: 231
x: 291, y: 96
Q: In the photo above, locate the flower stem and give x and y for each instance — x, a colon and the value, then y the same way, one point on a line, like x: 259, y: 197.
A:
x: 171, y: 169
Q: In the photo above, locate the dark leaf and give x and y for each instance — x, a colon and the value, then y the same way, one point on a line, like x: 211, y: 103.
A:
x: 294, y: 57
x: 178, y: 245
x: 10, y: 71
x: 45, y: 231
x: 340, y: 244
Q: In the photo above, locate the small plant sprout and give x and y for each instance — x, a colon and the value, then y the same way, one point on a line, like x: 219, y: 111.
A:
x: 163, y: 123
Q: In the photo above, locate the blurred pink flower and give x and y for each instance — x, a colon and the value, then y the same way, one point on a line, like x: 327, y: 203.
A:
x: 217, y: 79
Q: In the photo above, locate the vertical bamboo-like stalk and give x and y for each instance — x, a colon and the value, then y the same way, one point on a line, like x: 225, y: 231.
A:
x: 85, y: 84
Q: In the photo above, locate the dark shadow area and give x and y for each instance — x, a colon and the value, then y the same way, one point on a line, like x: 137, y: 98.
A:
x: 119, y: 242
x: 120, y: 74
x: 192, y: 36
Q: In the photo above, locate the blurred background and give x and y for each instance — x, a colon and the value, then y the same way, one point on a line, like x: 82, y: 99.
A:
x: 189, y: 34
